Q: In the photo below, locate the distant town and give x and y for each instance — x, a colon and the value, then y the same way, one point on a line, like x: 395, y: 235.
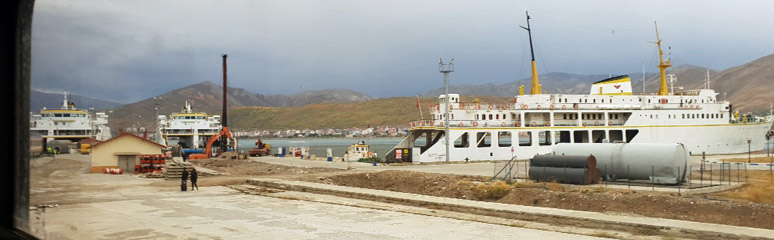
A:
x: 303, y: 133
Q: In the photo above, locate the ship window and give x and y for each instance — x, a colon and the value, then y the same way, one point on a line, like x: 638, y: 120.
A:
x: 504, y: 139
x: 544, y: 138
x: 497, y: 116
x: 57, y: 115
x: 702, y: 115
x: 599, y: 116
x: 581, y: 136
x: 452, y: 116
x: 564, y: 116
x: 476, y: 116
x: 598, y: 136
x: 525, y: 138
x: 586, y: 100
x: 562, y: 137
x: 603, y: 100
x: 616, y: 136
x: 462, y: 141
x: 594, y: 100
x: 565, y: 100
x: 65, y: 115
x: 630, y: 134
x: 483, y: 139
x: 503, y: 116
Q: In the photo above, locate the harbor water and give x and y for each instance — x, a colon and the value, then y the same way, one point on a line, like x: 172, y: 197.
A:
x: 319, y: 146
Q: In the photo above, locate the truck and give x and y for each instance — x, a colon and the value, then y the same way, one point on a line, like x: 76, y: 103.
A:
x: 260, y: 149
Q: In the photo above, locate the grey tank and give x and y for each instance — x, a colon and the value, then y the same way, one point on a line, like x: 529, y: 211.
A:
x: 660, y: 163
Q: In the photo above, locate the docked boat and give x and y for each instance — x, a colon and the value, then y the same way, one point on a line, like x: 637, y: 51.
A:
x: 534, y: 123
x: 357, y: 151
x: 191, y: 130
x: 69, y: 123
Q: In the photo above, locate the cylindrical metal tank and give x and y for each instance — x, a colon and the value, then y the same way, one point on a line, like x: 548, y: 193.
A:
x: 660, y: 163
x: 564, y: 161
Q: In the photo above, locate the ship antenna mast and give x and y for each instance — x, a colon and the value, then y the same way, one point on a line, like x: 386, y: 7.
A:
x: 663, y: 65
x: 536, y: 89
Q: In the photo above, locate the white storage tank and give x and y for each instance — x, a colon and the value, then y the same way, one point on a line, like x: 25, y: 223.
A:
x: 657, y: 162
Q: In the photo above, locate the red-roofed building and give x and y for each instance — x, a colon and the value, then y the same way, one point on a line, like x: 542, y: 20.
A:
x: 122, y: 151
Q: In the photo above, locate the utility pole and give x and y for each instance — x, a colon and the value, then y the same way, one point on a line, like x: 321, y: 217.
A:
x: 446, y: 68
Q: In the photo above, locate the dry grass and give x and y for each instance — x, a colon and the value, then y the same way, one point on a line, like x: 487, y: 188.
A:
x: 760, y: 188
x: 554, y: 186
x: 492, y: 191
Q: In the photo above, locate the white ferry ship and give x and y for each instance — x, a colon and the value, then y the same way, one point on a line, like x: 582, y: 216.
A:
x: 189, y: 129
x: 610, y: 113
x: 69, y: 123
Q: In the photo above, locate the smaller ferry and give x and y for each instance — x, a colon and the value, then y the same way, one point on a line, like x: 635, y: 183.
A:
x: 69, y: 123
x: 191, y: 130
x: 358, y: 151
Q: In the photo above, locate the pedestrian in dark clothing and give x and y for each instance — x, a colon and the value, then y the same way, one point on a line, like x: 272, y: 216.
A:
x: 194, y: 178
x: 185, y: 180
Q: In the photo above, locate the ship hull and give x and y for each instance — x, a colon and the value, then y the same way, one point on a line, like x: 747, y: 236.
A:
x: 492, y: 144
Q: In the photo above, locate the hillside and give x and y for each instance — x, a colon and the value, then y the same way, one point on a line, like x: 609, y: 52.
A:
x: 319, y: 96
x: 750, y: 87
x: 206, y: 97
x: 396, y: 111
x: 39, y: 100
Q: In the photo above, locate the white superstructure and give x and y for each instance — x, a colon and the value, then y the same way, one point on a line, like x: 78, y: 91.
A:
x: 187, y: 128
x: 69, y: 123
x: 533, y: 124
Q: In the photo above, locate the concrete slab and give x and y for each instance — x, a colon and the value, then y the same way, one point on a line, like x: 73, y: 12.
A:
x: 223, y: 213
x: 578, y: 218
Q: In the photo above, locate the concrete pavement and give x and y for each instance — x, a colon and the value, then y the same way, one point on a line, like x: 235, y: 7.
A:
x: 667, y: 227
x: 223, y: 213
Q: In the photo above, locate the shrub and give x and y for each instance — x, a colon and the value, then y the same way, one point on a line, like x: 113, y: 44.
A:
x: 491, y: 191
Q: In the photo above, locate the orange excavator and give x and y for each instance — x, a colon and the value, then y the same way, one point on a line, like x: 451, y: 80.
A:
x: 208, y: 150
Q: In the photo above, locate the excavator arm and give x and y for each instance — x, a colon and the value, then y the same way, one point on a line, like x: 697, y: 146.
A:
x: 208, y: 149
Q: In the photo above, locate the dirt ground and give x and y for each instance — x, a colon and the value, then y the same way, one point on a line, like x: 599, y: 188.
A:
x: 733, y: 207
x: 597, y: 199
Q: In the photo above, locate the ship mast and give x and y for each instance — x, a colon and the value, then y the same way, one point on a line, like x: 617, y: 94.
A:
x: 536, y: 88
x: 663, y: 65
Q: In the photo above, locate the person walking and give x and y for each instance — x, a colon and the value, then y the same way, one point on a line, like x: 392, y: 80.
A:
x: 183, y: 186
x: 194, y: 178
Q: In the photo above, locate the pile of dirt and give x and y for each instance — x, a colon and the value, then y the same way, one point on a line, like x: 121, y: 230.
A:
x: 596, y: 199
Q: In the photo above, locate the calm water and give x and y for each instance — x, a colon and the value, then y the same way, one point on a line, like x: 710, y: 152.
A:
x: 318, y: 146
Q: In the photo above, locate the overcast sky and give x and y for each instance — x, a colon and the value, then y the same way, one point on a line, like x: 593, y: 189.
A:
x: 131, y: 50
